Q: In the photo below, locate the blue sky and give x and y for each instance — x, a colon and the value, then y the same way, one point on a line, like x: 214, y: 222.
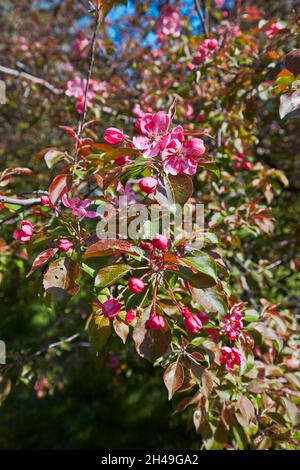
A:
x: 187, y: 9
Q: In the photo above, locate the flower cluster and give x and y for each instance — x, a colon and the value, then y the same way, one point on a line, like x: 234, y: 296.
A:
x: 230, y: 357
x: 205, y: 51
x: 232, y: 323
x: 76, y: 88
x: 169, y: 22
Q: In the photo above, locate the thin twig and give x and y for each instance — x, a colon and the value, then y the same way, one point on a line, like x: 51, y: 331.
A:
x: 32, y: 78
x: 57, y: 343
x: 88, y: 79
x: 202, y: 19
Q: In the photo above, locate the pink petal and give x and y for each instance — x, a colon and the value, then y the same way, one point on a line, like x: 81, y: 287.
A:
x: 141, y: 142
x: 160, y: 122
x: 66, y: 202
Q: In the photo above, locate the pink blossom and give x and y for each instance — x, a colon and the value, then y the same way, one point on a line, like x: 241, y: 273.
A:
x: 181, y: 156
x: 78, y: 206
x: 205, y: 50
x: 169, y: 22
x: 113, y: 136
x: 211, y: 44
x: 130, y: 316
x: 80, y: 44
x: 160, y: 242
x: 148, y: 185
x: 64, y: 245
x: 136, y: 285
x: 24, y: 234
x: 273, y: 29
x: 188, y: 111
x: 230, y: 357
x: 76, y: 88
x: 153, y: 129
x: 232, y: 323
x: 156, y: 322
x: 111, y: 308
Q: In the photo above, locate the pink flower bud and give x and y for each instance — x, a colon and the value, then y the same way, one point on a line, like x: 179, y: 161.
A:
x: 247, y: 165
x: 136, y: 285
x: 148, y: 185
x: 192, y: 323
x: 156, y: 322
x: 64, y: 245
x: 238, y: 166
x: 190, y: 66
x: 160, y: 242
x: 24, y: 234
x: 120, y: 161
x: 130, y: 316
x: 45, y: 200
x: 112, y: 135
x: 211, y: 44
x: 111, y: 308
x: 203, y: 317
x: 147, y: 246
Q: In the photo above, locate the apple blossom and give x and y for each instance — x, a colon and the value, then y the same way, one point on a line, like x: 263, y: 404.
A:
x: 78, y: 207
x: 153, y: 129
x: 230, y: 357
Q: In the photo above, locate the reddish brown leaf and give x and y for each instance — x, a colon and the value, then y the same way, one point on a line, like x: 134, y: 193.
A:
x: 61, y: 185
x: 173, y: 378
x: 121, y: 329
x: 42, y: 259
x: 109, y: 246
x: 60, y: 278
x: 150, y: 344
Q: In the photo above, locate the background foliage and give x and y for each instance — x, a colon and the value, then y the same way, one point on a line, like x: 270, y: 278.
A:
x: 63, y: 396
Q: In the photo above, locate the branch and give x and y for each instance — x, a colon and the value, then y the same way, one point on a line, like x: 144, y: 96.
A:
x: 32, y: 78
x: 21, y: 202
x: 88, y: 79
x: 202, y: 19
x: 57, y: 343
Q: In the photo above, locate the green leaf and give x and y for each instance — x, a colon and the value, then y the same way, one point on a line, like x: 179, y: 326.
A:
x: 251, y: 315
x: 203, y: 263
x: 100, y: 330
x: 108, y: 275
